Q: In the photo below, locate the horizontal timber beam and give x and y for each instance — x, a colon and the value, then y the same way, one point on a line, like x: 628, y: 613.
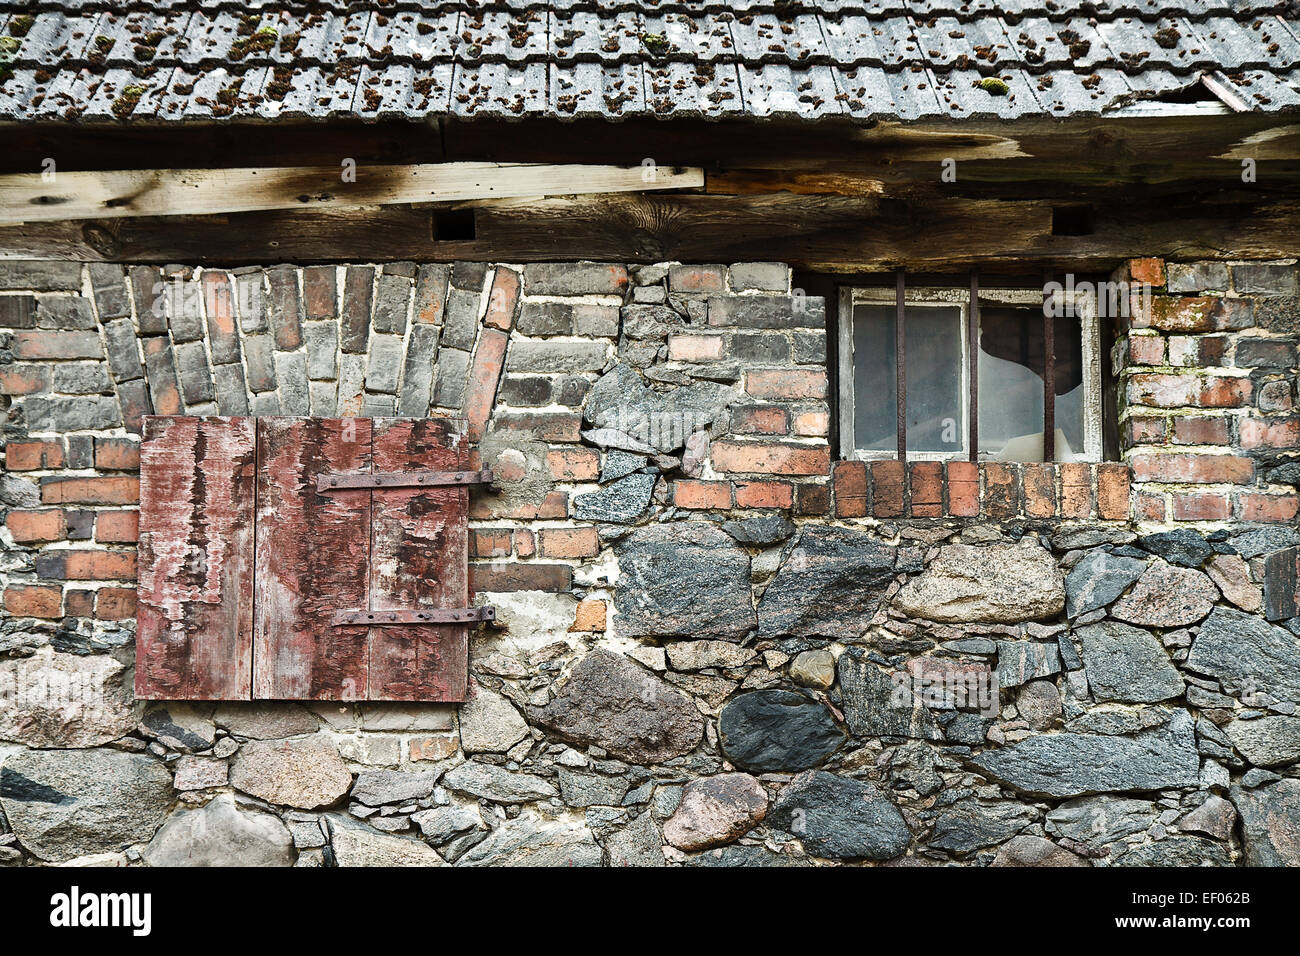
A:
x: 112, y: 194
x: 815, y: 232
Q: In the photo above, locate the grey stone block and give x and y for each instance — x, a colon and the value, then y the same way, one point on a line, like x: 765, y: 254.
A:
x: 1255, y: 277
x: 1196, y: 277
x: 574, y: 278
x: 810, y: 347
x: 417, y: 377
x: 195, y: 376
x: 17, y: 312
x: 322, y: 349
x: 385, y: 364
x: 324, y: 398
x: 460, y: 321
x: 452, y: 376
x: 232, y: 395
x: 81, y: 378
x: 260, y: 362
x: 250, y: 302
x: 40, y: 275
x: 108, y: 282
x: 71, y: 414
x: 291, y: 376
x: 768, y: 311
x: 761, y: 276
x: 557, y: 357
x: 391, y: 301
x: 123, y: 352
x: 184, y: 310
x: 265, y: 403
x: 64, y: 312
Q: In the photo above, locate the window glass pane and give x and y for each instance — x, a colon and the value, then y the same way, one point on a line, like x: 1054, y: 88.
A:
x: 934, y: 379
x: 1011, y: 384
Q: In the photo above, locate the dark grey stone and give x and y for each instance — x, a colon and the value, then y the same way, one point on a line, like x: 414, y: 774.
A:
x: 620, y: 464
x: 1099, y: 578
x: 1101, y: 820
x: 1127, y: 664
x: 417, y: 377
x: 65, y: 312
x: 768, y: 311
x: 1176, y: 851
x: 71, y: 414
x: 682, y: 579
x: 554, y: 357
x: 1021, y: 661
x: 384, y: 365
x: 232, y: 397
x: 259, y: 363
x: 831, y: 583
x: 841, y: 818
x: 622, y: 502
x: 81, y: 378
x: 745, y: 855
x: 546, y: 318
x: 123, y: 352
x: 1245, y: 652
x: 68, y: 803
x: 391, y: 299
x: 1183, y: 546
x: 453, y: 375
x: 877, y: 706
x: 291, y: 373
x: 1270, y: 822
x: 777, y: 731
x: 970, y: 825
x: 627, y: 414
x: 376, y: 787
x: 1072, y: 764
x: 613, y: 703
x: 763, y: 531
x: 195, y: 375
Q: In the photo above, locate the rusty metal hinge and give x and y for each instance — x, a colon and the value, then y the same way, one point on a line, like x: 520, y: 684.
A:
x: 450, y: 615
x: 403, y: 479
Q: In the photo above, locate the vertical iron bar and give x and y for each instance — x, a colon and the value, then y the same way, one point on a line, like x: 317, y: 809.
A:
x: 973, y: 365
x: 900, y: 364
x: 1049, y: 378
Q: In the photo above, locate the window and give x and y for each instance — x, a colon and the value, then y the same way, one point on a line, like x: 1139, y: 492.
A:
x: 976, y: 383
x: 304, y: 559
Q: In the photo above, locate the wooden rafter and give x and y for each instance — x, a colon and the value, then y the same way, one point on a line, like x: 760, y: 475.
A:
x: 111, y: 194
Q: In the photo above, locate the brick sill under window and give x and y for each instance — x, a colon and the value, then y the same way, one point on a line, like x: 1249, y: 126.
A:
x: 997, y: 491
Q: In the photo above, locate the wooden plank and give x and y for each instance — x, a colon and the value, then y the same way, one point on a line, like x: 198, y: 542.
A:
x: 110, y: 194
x: 419, y: 559
x: 818, y: 233
x: 313, y: 558
x: 195, y: 595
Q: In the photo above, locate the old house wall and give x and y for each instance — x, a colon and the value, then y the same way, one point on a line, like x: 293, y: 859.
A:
x: 716, y: 645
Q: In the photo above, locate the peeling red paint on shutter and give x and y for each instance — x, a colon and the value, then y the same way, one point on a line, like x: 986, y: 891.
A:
x: 195, y: 600
x: 253, y: 616
x: 419, y: 556
x: 313, y: 558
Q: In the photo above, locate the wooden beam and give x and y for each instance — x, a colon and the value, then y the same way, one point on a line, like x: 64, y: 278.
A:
x: 27, y: 197
x: 818, y: 233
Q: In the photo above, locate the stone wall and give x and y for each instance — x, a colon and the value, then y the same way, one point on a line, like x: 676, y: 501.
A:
x: 716, y: 645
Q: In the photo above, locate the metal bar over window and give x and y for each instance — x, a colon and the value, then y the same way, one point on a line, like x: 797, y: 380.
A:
x: 973, y: 365
x: 1049, y: 374
x: 900, y: 363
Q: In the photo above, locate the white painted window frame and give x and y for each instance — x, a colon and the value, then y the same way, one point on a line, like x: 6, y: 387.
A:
x: 1082, y: 302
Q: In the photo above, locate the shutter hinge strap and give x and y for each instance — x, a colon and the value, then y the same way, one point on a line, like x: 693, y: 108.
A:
x: 450, y: 615
x: 403, y: 479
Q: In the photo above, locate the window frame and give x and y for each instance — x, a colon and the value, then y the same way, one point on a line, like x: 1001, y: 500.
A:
x: 1082, y: 302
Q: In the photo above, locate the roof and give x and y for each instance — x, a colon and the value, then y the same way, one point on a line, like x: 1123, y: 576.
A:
x: 172, y: 60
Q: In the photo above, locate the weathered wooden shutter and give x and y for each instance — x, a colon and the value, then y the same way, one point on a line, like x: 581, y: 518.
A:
x: 351, y: 578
